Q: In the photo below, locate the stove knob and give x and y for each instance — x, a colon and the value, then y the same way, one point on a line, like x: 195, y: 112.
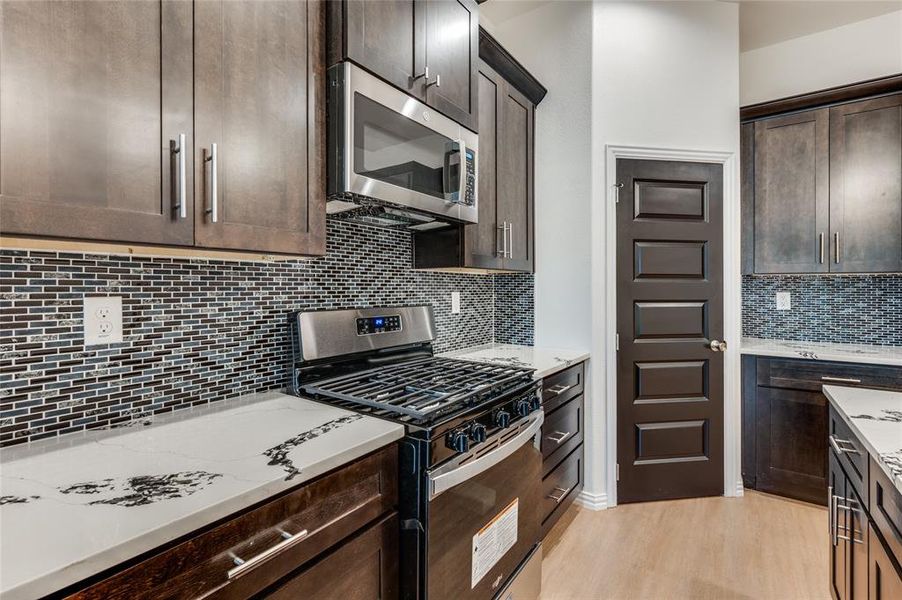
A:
x: 502, y: 419
x: 536, y: 402
x: 477, y: 433
x: 458, y: 441
x: 523, y: 407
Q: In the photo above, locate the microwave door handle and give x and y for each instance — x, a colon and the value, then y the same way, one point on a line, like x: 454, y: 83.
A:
x: 448, y: 479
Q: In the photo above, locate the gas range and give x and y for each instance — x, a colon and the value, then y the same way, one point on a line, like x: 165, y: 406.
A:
x: 470, y: 458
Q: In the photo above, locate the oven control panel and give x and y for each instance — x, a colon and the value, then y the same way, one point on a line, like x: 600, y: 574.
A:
x: 373, y: 325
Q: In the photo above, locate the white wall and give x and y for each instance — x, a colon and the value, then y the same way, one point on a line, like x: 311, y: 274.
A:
x: 848, y: 54
x: 664, y: 75
x: 553, y: 41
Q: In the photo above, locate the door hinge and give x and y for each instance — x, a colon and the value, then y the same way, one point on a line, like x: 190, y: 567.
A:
x: 617, y: 188
x: 617, y: 342
x: 617, y: 471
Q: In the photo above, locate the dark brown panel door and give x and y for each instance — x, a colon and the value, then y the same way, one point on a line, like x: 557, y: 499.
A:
x: 885, y: 578
x: 791, y: 429
x: 387, y: 38
x: 515, y: 177
x: 866, y: 186
x: 91, y: 93
x: 792, y: 193
x: 669, y: 311
x: 259, y: 91
x: 452, y: 39
x: 839, y: 559
x: 482, y: 241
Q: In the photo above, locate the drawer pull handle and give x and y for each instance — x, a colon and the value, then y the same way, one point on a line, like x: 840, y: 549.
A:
x: 840, y: 379
x: 242, y: 566
x: 562, y: 495
x: 836, y: 443
x: 558, y: 436
x: 559, y: 389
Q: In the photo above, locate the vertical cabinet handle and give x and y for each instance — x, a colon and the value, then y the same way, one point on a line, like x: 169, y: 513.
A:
x: 510, y: 241
x: 212, y: 158
x: 820, y: 243
x: 502, y: 251
x: 177, y: 147
x: 836, y: 255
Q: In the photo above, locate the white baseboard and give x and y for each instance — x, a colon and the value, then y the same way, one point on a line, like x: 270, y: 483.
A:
x: 592, y: 501
x: 740, y: 489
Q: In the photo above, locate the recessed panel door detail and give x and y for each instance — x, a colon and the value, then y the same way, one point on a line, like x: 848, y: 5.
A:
x: 669, y: 311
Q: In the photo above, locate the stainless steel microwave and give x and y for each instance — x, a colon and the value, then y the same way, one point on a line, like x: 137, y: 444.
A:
x: 387, y: 145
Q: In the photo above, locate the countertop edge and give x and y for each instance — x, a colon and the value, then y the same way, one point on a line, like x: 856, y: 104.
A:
x: 579, y: 356
x: 110, y: 558
x: 897, y: 481
x: 817, y: 353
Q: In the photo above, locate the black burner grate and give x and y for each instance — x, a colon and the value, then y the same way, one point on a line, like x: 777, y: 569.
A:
x: 419, y: 388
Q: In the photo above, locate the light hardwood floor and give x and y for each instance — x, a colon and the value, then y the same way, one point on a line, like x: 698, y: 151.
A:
x: 757, y: 546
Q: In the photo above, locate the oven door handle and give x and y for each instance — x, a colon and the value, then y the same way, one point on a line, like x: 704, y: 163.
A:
x: 443, y: 481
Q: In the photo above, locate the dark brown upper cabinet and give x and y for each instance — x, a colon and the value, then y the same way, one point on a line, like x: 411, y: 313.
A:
x: 259, y: 74
x: 823, y: 192
x: 91, y: 95
x: 427, y: 48
x: 792, y: 193
x: 99, y: 102
x: 866, y: 185
x: 503, y: 239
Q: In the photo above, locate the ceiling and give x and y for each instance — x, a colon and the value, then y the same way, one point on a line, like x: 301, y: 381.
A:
x: 762, y: 23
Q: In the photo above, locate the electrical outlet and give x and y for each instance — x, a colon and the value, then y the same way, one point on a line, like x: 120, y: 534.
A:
x: 784, y: 301
x: 455, y: 303
x: 103, y: 320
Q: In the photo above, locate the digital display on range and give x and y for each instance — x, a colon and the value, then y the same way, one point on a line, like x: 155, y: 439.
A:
x: 383, y: 324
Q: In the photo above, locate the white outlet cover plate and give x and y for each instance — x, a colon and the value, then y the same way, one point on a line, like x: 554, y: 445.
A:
x: 103, y: 320
x: 455, y: 303
x: 784, y: 301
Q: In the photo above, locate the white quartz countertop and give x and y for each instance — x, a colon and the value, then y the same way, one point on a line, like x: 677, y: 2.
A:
x: 545, y: 361
x: 70, y: 508
x: 858, y: 353
x: 875, y: 417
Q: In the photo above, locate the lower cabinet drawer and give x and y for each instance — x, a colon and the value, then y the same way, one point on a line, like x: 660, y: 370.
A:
x: 317, y: 515
x: 853, y: 455
x: 802, y: 374
x: 562, y: 432
x: 562, y: 386
x: 885, y: 507
x: 560, y: 487
x: 363, y: 568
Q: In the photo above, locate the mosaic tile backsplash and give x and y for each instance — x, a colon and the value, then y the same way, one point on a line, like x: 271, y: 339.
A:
x: 200, y: 330
x: 859, y: 309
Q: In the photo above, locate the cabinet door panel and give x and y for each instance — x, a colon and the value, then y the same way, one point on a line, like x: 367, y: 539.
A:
x: 452, y: 38
x: 866, y: 185
x: 515, y: 177
x: 258, y: 79
x: 857, y: 546
x: 791, y: 193
x: 90, y: 95
x: 791, y: 437
x: 482, y: 240
x: 386, y: 37
x: 885, y: 580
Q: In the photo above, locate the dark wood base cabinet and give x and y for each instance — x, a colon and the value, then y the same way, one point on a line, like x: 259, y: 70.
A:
x: 562, y: 443
x: 865, y: 521
x: 348, y: 546
x: 785, y: 422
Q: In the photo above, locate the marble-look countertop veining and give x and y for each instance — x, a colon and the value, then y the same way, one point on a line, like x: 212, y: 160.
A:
x: 875, y: 417
x: 857, y: 353
x: 72, y: 507
x: 545, y: 361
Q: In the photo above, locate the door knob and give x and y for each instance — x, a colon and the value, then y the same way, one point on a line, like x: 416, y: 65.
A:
x: 717, y: 346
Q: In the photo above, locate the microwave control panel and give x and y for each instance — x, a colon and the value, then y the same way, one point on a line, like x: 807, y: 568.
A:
x: 470, y: 174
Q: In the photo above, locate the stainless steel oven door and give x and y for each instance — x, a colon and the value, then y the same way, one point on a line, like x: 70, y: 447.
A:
x: 392, y: 147
x: 484, y: 515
